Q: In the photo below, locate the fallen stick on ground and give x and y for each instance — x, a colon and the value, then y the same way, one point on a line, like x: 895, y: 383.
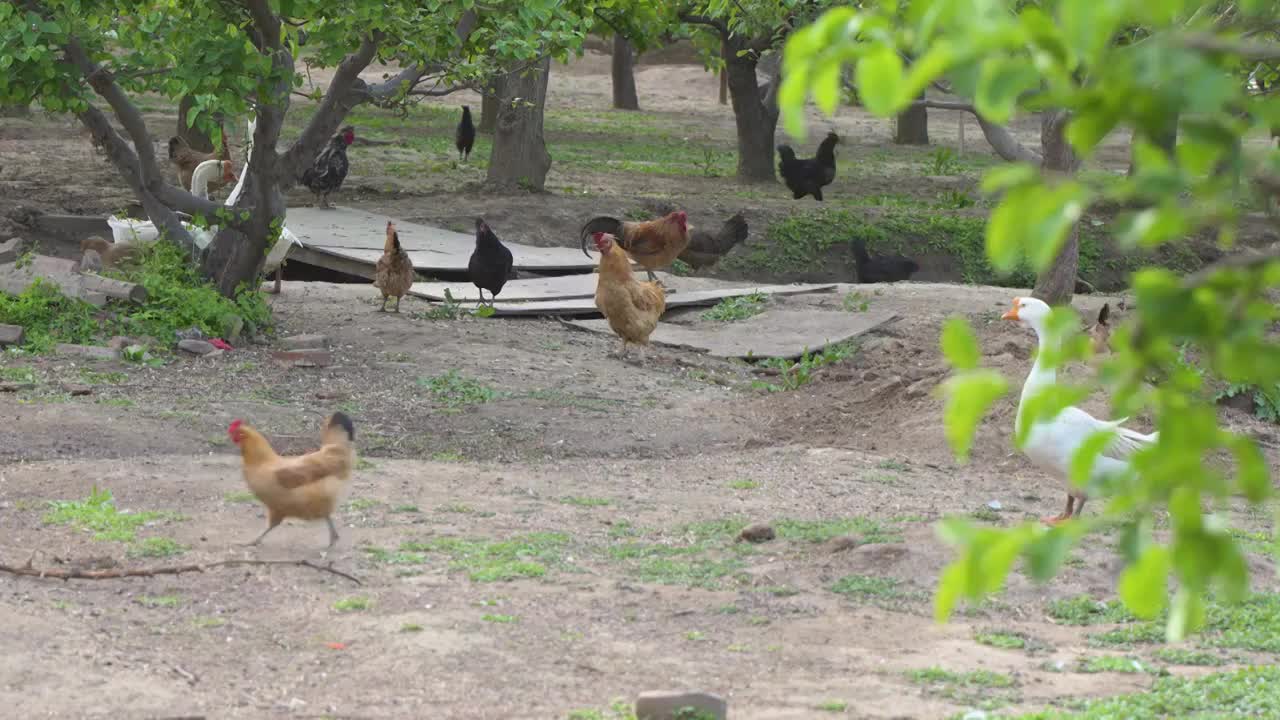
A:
x: 114, y: 573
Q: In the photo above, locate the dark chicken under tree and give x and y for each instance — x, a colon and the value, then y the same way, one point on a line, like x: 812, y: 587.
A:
x: 490, y: 265
x: 464, y: 138
x: 881, y: 268
x: 328, y: 171
x: 810, y: 175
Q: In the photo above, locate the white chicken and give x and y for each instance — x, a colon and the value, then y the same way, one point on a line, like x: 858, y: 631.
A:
x: 1051, y: 444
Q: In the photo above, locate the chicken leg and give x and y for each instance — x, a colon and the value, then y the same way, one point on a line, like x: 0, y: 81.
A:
x: 398, y: 299
x: 1066, y: 514
x: 652, y: 277
x: 272, y: 521
x: 333, y: 532
x: 384, y: 304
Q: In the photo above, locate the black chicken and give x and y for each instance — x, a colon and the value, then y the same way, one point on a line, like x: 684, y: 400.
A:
x: 882, y: 268
x: 706, y: 249
x: 465, y: 136
x: 808, y: 177
x: 490, y: 264
x: 330, y: 167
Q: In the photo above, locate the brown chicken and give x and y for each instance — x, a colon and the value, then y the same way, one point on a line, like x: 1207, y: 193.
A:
x: 631, y: 307
x: 186, y: 160
x: 306, y: 487
x: 652, y: 244
x: 1100, y: 332
x: 112, y: 254
x: 393, y: 274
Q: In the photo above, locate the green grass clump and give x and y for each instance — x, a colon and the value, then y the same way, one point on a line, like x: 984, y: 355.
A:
x: 1249, y: 693
x: 797, y: 373
x: 736, y: 308
x: 353, y: 604
x: 1085, y: 610
x: 177, y: 298
x: 157, y: 547
x: 523, y: 556
x: 500, y: 619
x: 160, y: 601
x: 984, y: 689
x: 581, y: 501
x: 98, y: 514
x: 454, y: 391
x: 875, y: 588
x: 1002, y: 640
x: 1113, y: 664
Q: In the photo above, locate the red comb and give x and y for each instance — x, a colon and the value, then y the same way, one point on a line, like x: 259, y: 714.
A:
x: 235, y: 425
x: 596, y: 236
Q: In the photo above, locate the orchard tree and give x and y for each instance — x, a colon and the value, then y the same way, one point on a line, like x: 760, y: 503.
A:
x: 1061, y: 57
x: 748, y: 34
x: 230, y: 58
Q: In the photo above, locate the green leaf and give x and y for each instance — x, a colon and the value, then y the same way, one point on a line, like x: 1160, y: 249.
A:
x: 1004, y: 230
x: 1086, y: 130
x: 951, y: 586
x: 1186, y: 615
x: 1083, y: 459
x: 825, y: 84
x: 1143, y: 584
x: 1004, y: 177
x: 791, y: 97
x: 1046, y: 553
x: 880, y: 81
x: 1000, y: 84
x: 927, y: 68
x: 969, y: 395
x: 1252, y: 472
x: 959, y: 344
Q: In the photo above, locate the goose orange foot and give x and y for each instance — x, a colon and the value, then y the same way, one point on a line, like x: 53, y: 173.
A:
x: 1066, y: 514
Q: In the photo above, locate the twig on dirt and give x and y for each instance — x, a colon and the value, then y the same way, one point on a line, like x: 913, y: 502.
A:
x: 116, y: 573
x: 186, y: 674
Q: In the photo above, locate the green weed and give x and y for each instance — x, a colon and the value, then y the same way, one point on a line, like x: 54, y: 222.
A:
x: 1249, y: 693
x: 797, y: 373
x: 160, y: 601
x: 98, y: 514
x: 737, y: 308
x: 876, y: 589
x: 744, y: 485
x: 523, y: 556
x: 984, y: 689
x: 454, y: 391
x: 1112, y: 663
x: 584, y: 501
x: 1186, y: 656
x: 240, y: 496
x: 353, y: 604
x: 411, y: 628
x: 501, y: 619
x: 833, y: 706
x: 157, y: 547
x: 1002, y: 640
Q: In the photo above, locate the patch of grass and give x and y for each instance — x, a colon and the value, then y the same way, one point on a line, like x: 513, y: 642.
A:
x: 157, y: 547
x: 206, y: 622
x: 395, y: 557
x: 1113, y: 664
x: 459, y: 508
x: 706, y: 573
x: 855, y: 302
x: 1002, y: 640
x: 737, y: 308
x: 876, y: 589
x: 240, y: 496
x: 695, y: 636
x: 160, y: 601
x: 1249, y: 693
x: 893, y: 465
x: 364, y: 464
x: 1148, y: 633
x: 411, y: 628
x: 584, y: 501
x: 744, y: 485
x: 360, y: 504
x: 17, y: 374
x: 501, y: 619
x: 357, y: 603
x: 618, y: 710
x: 455, y: 391
x: 1187, y: 656
x: 448, y: 456
x: 405, y: 508
x: 780, y: 590
x: 523, y: 556
x: 1085, y: 610
x: 984, y: 689
x: 98, y: 514
x: 797, y: 373
x: 833, y: 706
x: 870, y: 529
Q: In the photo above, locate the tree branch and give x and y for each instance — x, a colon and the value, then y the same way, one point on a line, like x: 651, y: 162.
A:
x: 116, y: 573
x: 998, y: 136
x: 1256, y: 51
x: 716, y: 23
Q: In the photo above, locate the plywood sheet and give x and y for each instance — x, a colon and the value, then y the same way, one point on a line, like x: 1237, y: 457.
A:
x: 587, y: 305
x: 358, y: 235
x: 773, y: 333
x: 564, y: 287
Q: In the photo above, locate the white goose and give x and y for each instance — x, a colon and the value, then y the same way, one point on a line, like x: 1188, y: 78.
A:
x: 1052, y: 443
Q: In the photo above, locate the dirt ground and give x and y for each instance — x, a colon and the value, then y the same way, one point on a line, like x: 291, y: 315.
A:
x: 558, y: 534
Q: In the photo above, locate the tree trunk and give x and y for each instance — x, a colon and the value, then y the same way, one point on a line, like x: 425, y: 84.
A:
x: 724, y: 86
x: 196, y: 139
x: 519, y: 156
x: 1165, y: 138
x: 489, y: 107
x: 1057, y: 284
x: 755, y: 113
x: 913, y: 126
x: 624, y: 74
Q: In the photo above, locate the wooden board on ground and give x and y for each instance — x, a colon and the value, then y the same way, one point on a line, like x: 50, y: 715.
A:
x: 358, y: 236
x: 564, y: 287
x: 587, y: 305
x: 773, y: 333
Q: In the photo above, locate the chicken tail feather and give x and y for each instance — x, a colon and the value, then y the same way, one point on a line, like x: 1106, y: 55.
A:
x: 602, y: 223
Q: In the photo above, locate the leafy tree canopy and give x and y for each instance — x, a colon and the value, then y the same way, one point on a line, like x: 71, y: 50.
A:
x: 1123, y: 64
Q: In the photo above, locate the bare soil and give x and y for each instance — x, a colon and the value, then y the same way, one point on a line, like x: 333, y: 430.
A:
x: 592, y: 457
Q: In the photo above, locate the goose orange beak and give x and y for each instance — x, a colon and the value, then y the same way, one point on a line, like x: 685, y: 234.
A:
x: 1011, y: 313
